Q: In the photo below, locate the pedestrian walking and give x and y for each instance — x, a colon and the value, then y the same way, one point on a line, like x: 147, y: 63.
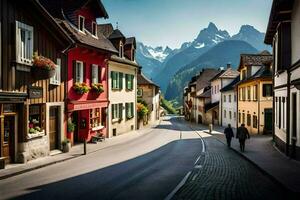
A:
x: 242, y: 134
x: 228, y: 134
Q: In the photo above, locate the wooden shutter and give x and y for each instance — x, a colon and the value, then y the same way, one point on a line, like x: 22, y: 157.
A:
x: 284, y: 45
x: 112, y: 79
x: 113, y: 111
x: 120, y: 80
x: 132, y: 110
x: 126, y: 81
x: 99, y: 74
x: 84, y: 72
x: 132, y: 82
x: 120, y: 111
x: 126, y: 109
x: 74, y: 71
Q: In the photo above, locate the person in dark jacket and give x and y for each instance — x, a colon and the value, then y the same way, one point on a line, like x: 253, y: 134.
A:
x: 242, y: 134
x: 228, y: 134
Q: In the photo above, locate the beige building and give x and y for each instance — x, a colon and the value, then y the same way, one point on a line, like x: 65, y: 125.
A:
x: 150, y: 93
x: 255, y: 92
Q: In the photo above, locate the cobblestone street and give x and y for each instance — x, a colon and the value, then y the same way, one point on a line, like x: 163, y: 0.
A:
x: 221, y: 173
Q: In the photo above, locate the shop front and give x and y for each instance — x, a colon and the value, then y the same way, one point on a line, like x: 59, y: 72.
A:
x: 90, y: 119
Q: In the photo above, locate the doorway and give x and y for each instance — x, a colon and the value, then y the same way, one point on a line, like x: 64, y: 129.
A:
x: 294, y: 124
x: 8, y: 144
x: 76, y: 131
x: 199, y: 119
x: 268, y: 120
x: 53, y: 128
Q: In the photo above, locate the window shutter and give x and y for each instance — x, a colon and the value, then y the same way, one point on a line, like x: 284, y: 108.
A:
x: 120, y: 80
x: 91, y: 73
x: 120, y: 111
x: 132, y: 78
x: 84, y: 72
x: 132, y: 110
x: 99, y: 74
x: 18, y: 35
x: 112, y: 79
x: 126, y: 108
x: 126, y: 81
x: 74, y: 71
x: 112, y: 111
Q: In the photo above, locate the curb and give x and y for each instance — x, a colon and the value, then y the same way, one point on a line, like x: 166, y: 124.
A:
x: 59, y: 161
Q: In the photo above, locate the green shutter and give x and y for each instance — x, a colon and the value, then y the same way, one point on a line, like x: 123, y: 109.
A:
x: 120, y: 80
x: 112, y: 74
x: 126, y: 108
x: 126, y: 81
x: 120, y: 111
x: 132, y: 110
x: 132, y: 78
x: 112, y: 111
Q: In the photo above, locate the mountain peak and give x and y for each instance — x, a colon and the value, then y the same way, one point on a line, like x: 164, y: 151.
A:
x: 212, y: 26
x: 248, y: 29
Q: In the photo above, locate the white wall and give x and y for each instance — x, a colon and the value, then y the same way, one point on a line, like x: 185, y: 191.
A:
x: 229, y: 107
x: 216, y: 94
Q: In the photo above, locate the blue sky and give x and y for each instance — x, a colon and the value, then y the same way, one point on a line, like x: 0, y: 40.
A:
x: 172, y: 22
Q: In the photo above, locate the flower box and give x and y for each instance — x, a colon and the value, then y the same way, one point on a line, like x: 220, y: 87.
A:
x: 97, y: 88
x: 81, y: 88
x: 35, y: 135
x: 42, y: 68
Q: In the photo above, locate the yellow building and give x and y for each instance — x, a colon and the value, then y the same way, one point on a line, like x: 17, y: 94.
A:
x: 255, y: 91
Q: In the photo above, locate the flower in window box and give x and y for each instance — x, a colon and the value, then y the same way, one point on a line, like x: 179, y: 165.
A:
x: 42, y: 67
x: 98, y: 88
x: 81, y: 88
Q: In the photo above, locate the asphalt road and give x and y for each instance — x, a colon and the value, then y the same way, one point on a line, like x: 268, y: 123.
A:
x: 148, y: 167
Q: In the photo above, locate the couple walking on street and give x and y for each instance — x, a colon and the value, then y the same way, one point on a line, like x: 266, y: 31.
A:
x: 242, y: 134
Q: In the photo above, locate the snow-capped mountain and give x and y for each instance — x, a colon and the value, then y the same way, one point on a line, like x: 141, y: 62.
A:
x: 159, y: 53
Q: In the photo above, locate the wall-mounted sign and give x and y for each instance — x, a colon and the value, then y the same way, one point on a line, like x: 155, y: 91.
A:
x: 35, y: 92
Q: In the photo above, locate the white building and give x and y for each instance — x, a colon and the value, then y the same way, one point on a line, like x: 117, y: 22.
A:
x: 283, y: 33
x: 224, y: 78
x: 229, y: 105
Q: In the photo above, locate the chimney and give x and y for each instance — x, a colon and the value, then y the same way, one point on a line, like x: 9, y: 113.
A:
x: 228, y: 65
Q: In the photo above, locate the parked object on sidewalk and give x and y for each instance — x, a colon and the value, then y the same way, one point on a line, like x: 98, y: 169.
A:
x: 229, y: 134
x: 2, y: 163
x: 66, y: 145
x: 242, y: 134
x: 210, y: 128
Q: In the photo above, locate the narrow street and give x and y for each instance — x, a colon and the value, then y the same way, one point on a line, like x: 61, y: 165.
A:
x: 149, y: 167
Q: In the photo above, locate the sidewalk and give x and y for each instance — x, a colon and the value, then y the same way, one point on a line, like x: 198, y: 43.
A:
x: 261, y: 151
x: 76, y: 151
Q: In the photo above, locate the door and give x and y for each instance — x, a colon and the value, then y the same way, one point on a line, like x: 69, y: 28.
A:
x: 75, y: 121
x: 199, y: 119
x: 9, y: 138
x: 53, y: 128
x: 268, y: 120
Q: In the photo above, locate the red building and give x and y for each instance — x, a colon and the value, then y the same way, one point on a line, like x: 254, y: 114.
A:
x: 87, y: 76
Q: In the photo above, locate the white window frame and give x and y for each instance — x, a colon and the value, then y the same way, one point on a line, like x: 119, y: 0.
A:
x: 95, y: 73
x: 24, y: 51
x: 83, y: 25
x: 81, y: 72
x: 94, y: 23
x: 55, y: 80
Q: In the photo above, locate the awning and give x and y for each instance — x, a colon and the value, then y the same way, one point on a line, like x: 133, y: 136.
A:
x: 77, y: 105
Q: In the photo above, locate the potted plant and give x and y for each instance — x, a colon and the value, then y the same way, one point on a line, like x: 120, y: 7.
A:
x: 81, y: 88
x: 142, y: 111
x: 71, y: 129
x: 42, y: 67
x: 97, y: 88
x: 66, y: 145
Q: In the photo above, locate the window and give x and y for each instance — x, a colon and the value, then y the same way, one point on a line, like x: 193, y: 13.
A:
x: 244, y: 93
x: 117, y: 80
x: 81, y: 20
x: 215, y: 89
x: 234, y: 98
x: 267, y: 90
x: 218, y: 90
x: 117, y: 111
x: 24, y: 43
x: 243, y: 74
x: 234, y: 115
x: 95, y: 117
x: 230, y: 116
x: 240, y: 94
x: 276, y: 110
x: 249, y: 93
x: 139, y: 92
x: 239, y: 117
x: 279, y: 122
x: 254, y: 121
x: 121, y: 50
x: 229, y: 98
x: 79, y: 72
x: 283, y: 112
x: 224, y: 98
x: 36, y: 122
x: 129, y: 110
x: 94, y: 29
x: 255, y: 92
x: 55, y: 80
x: 243, y: 118
x: 248, y: 120
x: 95, y: 73
x: 224, y: 113
x: 129, y: 81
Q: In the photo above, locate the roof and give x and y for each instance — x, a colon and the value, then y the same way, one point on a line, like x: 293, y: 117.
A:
x: 105, y: 29
x: 227, y: 73
x: 231, y: 85
x: 143, y: 80
x: 206, y: 94
x: 281, y: 11
x: 255, y: 59
x: 204, y: 77
x: 100, y: 42
x: 131, y: 40
x: 210, y: 106
x: 263, y: 72
x: 123, y: 61
x: 116, y: 34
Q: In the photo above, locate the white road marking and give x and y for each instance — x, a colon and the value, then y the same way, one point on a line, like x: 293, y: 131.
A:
x: 198, y: 166
x: 197, y: 160
x: 182, y: 182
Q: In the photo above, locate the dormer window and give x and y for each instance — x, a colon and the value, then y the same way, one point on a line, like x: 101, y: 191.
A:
x: 81, y: 20
x: 121, y: 50
x: 94, y: 29
x: 133, y: 54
